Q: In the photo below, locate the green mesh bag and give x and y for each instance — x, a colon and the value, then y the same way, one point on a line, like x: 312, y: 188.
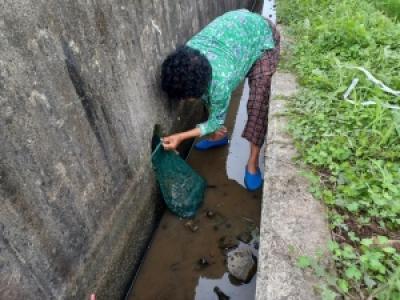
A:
x: 182, y: 188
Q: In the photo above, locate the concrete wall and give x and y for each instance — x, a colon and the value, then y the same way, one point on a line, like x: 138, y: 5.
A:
x: 79, y: 97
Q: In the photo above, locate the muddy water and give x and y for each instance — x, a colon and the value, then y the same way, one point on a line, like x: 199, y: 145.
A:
x: 171, y: 269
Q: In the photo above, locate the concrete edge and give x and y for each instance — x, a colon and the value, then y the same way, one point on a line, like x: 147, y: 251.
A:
x: 293, y: 223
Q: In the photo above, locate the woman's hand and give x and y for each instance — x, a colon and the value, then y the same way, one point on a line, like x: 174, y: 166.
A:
x: 171, y: 142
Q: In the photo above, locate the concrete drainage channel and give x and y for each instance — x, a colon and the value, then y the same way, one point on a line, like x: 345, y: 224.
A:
x: 187, y: 258
x: 197, y: 259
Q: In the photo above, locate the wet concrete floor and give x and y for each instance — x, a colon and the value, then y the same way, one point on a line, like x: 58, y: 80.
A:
x: 171, y: 268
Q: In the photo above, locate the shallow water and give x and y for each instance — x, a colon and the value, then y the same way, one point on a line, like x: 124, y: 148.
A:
x: 236, y: 291
x: 239, y: 148
x: 171, y: 268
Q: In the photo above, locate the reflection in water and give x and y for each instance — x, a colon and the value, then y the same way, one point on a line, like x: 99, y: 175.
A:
x: 204, y: 290
x: 239, y: 148
x: 228, y: 285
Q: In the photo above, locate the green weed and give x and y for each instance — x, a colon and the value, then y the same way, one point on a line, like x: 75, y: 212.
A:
x: 352, y: 148
x: 389, y: 7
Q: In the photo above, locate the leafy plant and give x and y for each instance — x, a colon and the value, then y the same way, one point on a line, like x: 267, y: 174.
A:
x: 390, y: 7
x: 352, y: 149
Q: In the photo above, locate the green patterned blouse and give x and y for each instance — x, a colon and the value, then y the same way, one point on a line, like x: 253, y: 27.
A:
x: 231, y: 43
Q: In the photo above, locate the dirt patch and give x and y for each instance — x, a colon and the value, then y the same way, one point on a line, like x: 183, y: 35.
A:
x: 371, y: 230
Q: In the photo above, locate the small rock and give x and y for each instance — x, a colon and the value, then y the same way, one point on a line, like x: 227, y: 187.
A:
x: 221, y: 295
x: 192, y: 226
x: 241, y: 264
x: 174, y: 266
x: 256, y: 236
x: 210, y: 214
x: 245, y: 237
x: 228, y: 242
x: 256, y: 245
x: 248, y: 220
x: 203, y: 262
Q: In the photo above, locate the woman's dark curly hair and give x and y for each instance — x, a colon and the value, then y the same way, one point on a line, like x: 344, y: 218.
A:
x: 186, y: 73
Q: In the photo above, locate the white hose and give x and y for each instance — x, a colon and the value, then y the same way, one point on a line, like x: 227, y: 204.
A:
x: 379, y: 83
x: 371, y: 78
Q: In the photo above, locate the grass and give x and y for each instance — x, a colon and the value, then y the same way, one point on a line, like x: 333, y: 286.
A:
x: 389, y: 7
x: 353, y: 149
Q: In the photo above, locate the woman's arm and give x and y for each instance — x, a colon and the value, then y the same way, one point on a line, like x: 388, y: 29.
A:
x: 172, y: 142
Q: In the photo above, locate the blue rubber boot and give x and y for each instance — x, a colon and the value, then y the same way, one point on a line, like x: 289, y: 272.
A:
x: 253, y: 181
x: 208, y: 144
